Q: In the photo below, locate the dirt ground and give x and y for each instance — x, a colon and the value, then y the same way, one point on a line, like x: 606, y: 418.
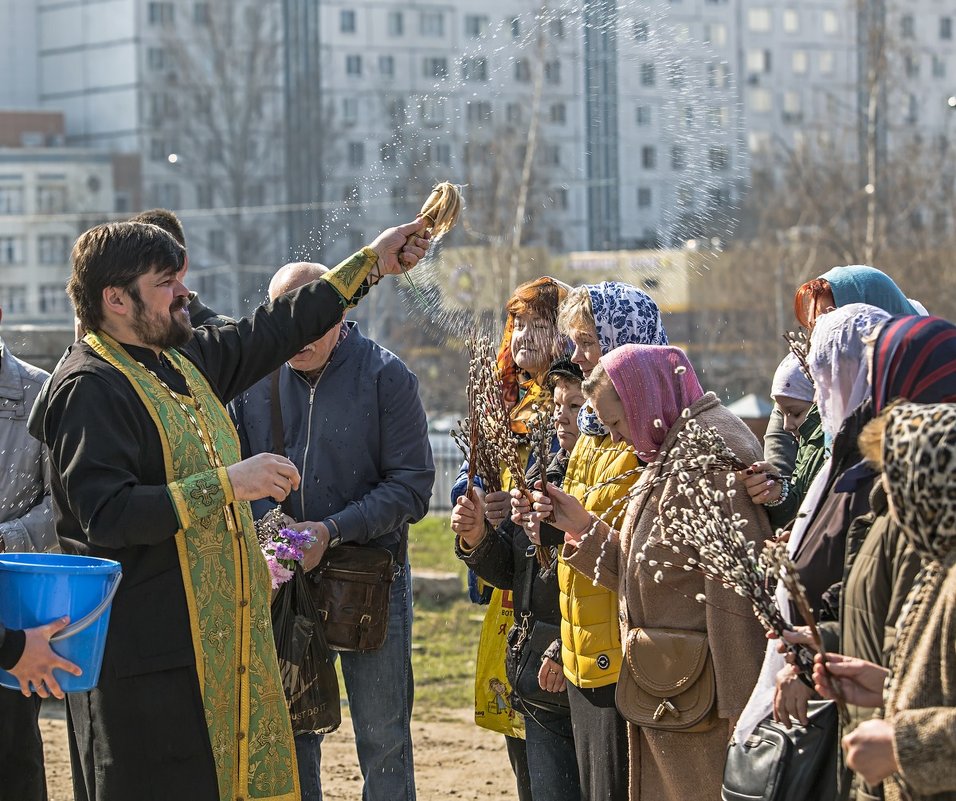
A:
x: 453, y: 759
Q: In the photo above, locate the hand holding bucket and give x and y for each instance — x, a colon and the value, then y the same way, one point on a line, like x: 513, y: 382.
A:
x: 37, y: 588
x: 34, y: 669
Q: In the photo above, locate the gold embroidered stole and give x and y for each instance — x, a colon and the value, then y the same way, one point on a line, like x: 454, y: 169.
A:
x: 228, y: 589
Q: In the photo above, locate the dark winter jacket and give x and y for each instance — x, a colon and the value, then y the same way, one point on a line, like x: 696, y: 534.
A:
x: 358, y: 438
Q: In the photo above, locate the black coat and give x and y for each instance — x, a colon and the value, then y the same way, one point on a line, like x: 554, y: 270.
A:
x: 142, y: 732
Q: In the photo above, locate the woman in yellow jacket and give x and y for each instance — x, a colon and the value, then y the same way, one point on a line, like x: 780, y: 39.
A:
x: 599, y: 318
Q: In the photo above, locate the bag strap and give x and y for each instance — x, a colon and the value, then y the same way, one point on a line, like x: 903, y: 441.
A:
x: 278, y: 433
x: 523, y: 603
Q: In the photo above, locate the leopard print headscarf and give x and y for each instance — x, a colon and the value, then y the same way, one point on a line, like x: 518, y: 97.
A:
x: 919, y: 460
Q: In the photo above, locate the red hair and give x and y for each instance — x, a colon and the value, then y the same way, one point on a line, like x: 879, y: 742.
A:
x: 807, y: 299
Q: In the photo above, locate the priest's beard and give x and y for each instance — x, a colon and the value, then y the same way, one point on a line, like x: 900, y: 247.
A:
x: 158, y: 331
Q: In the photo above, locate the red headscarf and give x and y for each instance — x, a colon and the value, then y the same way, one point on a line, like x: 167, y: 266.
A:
x: 654, y: 382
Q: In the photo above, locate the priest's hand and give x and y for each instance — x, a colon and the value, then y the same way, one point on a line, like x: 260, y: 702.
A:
x: 401, y: 248
x: 264, y: 475
x: 38, y: 660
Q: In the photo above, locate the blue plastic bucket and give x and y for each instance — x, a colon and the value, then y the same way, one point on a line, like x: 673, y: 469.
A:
x: 38, y: 588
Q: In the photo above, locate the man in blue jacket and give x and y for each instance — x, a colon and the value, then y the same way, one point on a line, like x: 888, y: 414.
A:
x: 355, y: 428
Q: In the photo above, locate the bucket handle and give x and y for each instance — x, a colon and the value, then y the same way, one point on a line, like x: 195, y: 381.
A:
x: 92, y: 617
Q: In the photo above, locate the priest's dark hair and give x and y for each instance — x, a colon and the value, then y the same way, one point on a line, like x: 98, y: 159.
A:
x: 116, y: 254
x: 165, y: 219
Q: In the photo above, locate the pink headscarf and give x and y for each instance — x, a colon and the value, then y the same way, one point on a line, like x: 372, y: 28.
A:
x: 654, y: 382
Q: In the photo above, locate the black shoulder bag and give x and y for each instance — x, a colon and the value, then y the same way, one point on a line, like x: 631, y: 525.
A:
x: 778, y: 764
x: 527, y: 642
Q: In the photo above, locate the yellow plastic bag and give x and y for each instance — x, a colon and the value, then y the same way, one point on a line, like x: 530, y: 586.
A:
x: 492, y: 691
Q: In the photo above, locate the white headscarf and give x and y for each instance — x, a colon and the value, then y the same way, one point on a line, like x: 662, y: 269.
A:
x: 790, y: 382
x: 838, y: 361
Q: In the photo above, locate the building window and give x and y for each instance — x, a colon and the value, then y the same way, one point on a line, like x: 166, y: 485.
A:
x: 356, y: 239
x: 433, y: 111
x: 644, y: 197
x: 51, y: 199
x: 161, y: 13
x: 386, y: 151
x: 397, y: 113
x: 685, y: 197
x: 641, y: 30
x: 513, y: 113
x: 476, y: 25
x: 791, y: 20
x: 201, y: 14
x: 350, y: 110
x: 441, y: 153
x: 11, y: 200
x: 156, y: 58
x: 945, y: 28
x: 826, y: 62
x: 474, y: 69
x: 718, y: 117
x: 939, y: 66
x: 432, y: 23
x: 643, y: 115
x: 356, y: 154
x: 559, y: 113
x: 715, y: 33
x: 648, y: 74
x: 204, y: 195
x: 396, y: 23
x: 761, y: 101
x: 53, y: 249
x: 435, y: 67
x: 719, y: 158
x: 217, y: 242
x: 515, y: 27
x: 478, y: 111
x: 353, y: 65
x: 907, y: 26
x: 551, y: 155
x: 11, y: 250
x: 522, y: 70
x: 799, y: 62
x: 758, y: 61
x: 54, y: 300
x: 552, y: 71
x: 559, y: 197
x: 399, y: 196
x: 649, y: 157
x: 759, y: 20
x: 13, y: 298
x: 678, y: 157
x: 386, y: 66
x: 717, y: 75
x: 675, y: 75
x: 911, y: 65
x: 556, y: 28
x: 831, y: 22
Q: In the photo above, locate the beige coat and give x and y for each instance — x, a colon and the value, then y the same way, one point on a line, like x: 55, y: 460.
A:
x: 922, y: 703
x: 675, y: 766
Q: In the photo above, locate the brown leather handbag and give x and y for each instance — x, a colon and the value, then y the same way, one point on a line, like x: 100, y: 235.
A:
x: 668, y: 680
x: 351, y: 588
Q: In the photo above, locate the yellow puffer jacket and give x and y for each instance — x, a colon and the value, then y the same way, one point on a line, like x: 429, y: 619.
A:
x: 590, y: 634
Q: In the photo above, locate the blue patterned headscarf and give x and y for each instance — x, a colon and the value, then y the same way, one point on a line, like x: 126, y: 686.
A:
x: 623, y: 315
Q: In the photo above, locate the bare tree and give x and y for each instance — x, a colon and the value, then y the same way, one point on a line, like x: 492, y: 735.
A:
x: 227, y: 84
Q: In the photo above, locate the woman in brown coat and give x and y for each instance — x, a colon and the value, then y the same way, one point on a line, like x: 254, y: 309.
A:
x: 912, y: 747
x: 641, y: 394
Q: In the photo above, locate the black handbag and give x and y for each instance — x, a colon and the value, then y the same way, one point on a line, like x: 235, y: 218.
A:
x: 776, y: 764
x: 527, y: 642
